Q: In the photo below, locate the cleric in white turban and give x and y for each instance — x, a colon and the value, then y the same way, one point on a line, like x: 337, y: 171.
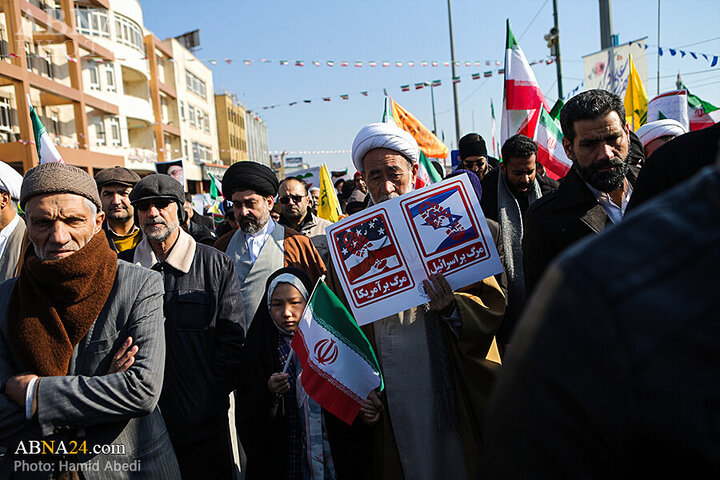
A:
x: 12, y: 227
x: 10, y: 181
x: 654, y: 134
x: 384, y: 135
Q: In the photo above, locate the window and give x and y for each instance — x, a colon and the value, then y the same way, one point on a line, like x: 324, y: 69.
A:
x: 196, y: 151
x: 28, y: 56
x: 45, y: 62
x: 100, y: 133
x: 93, y: 75
x: 128, y: 32
x: 5, y: 123
x: 207, y: 122
x: 185, y: 149
x: 191, y: 111
x: 182, y: 112
x: 199, y: 119
x: 92, y: 21
x: 194, y: 84
x: 110, y: 78
x: 56, y: 125
x: 4, y: 47
x: 115, y: 131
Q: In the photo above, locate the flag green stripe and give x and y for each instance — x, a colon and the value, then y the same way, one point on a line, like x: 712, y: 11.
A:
x: 550, y: 124
x: 324, y: 305
x: 432, y: 173
x: 38, y: 129
x: 510, y: 42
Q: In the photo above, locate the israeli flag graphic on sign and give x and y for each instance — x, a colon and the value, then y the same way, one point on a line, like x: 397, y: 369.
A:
x: 442, y: 221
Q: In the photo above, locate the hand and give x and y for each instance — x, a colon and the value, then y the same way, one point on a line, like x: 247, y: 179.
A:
x: 124, y: 358
x: 371, y: 408
x: 442, y: 299
x: 16, y: 386
x: 279, y: 383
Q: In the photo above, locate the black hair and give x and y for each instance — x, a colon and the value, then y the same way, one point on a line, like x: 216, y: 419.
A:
x: 297, y: 179
x: 518, y: 146
x: 587, y: 106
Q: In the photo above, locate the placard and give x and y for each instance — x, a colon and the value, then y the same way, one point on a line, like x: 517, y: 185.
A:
x: 383, y: 253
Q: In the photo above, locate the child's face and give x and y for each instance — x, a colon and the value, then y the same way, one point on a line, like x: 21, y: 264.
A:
x: 286, y: 306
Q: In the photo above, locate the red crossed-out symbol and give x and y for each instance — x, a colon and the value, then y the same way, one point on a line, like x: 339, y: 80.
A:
x: 326, y: 352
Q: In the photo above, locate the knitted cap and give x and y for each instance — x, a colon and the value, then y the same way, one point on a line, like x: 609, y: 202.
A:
x: 56, y: 177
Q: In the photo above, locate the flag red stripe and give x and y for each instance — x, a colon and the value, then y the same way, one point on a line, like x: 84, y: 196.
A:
x: 523, y: 96
x: 324, y: 389
x: 554, y: 167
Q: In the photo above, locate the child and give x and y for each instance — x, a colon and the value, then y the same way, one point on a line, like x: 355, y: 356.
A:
x: 282, y: 429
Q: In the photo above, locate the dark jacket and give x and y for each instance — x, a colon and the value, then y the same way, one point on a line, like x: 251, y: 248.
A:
x: 110, y: 239
x: 614, y: 366
x: 489, y: 200
x: 558, y: 220
x: 200, y: 232
x: 675, y: 162
x: 204, y: 331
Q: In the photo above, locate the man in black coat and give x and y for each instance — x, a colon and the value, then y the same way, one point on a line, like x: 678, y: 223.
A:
x: 614, y: 366
x: 204, y: 329
x: 507, y: 193
x: 595, y: 191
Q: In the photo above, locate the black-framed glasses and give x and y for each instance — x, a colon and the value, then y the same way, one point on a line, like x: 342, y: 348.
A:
x: 160, y: 203
x: 295, y: 198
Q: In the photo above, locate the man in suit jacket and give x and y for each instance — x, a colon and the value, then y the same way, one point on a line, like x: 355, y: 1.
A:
x: 596, y: 190
x: 74, y: 305
x: 12, y: 227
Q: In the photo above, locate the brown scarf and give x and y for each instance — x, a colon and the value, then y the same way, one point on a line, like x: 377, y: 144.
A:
x: 54, y: 303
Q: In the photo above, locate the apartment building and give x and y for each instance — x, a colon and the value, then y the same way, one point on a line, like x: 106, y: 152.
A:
x: 257, y: 139
x: 231, y: 129
x: 41, y: 58
x: 110, y: 92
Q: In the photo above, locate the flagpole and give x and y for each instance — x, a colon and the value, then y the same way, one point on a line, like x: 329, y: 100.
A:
x: 307, y: 305
x: 454, y: 75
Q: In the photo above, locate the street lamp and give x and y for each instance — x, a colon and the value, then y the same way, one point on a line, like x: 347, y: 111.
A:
x: 432, y: 99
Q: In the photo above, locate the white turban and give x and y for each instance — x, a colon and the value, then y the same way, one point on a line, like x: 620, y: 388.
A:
x: 384, y: 135
x: 10, y: 180
x: 659, y: 128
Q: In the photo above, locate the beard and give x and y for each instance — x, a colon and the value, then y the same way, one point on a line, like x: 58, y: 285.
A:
x: 251, y: 225
x: 158, y: 230
x: 293, y: 213
x: 605, y: 181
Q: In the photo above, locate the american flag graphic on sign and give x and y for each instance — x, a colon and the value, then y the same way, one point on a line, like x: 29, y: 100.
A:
x: 367, y: 249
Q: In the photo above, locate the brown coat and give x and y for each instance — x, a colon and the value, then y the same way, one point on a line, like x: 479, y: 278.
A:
x: 299, y: 253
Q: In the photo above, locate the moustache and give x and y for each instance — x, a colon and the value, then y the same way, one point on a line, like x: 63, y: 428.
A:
x: 155, y: 222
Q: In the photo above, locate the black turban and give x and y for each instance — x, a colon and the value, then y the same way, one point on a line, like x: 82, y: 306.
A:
x: 472, y: 145
x: 248, y: 175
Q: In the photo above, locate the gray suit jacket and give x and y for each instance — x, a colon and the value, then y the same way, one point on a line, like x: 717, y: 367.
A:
x: 88, y: 405
x: 11, y: 254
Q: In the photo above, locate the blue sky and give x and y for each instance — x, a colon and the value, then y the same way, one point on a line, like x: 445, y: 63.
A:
x: 403, y: 30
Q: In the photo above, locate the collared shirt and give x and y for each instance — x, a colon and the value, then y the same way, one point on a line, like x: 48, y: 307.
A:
x: 613, y: 211
x: 7, y: 231
x: 256, y: 241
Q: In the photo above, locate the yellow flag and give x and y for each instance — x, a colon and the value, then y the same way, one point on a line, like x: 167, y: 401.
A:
x: 427, y: 141
x: 329, y: 207
x: 636, y: 100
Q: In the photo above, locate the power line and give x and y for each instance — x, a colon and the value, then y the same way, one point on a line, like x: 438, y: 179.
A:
x: 685, y: 74
x: 698, y: 43
x: 533, y: 20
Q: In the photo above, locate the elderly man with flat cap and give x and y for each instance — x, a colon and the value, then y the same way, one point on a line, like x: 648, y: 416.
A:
x: 62, y: 321
x: 260, y: 245
x: 204, y: 322
x: 115, y: 185
x: 12, y: 227
x: 432, y: 357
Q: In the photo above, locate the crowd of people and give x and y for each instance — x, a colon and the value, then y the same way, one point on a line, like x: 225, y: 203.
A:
x: 139, y: 340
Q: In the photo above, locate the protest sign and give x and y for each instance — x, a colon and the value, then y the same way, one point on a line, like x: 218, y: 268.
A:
x: 383, y: 254
x: 672, y: 105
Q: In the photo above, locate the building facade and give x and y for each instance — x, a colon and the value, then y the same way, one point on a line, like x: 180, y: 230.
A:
x: 109, y: 92
x: 231, y: 129
x: 257, y: 139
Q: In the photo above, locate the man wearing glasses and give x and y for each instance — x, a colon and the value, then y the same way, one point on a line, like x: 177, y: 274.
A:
x: 473, y: 154
x: 204, y: 328
x: 296, y: 213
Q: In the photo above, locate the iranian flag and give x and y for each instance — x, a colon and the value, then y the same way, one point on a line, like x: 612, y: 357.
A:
x: 45, y: 147
x: 522, y: 92
x: 701, y: 113
x: 215, y: 186
x: 339, y: 367
x: 551, y: 153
